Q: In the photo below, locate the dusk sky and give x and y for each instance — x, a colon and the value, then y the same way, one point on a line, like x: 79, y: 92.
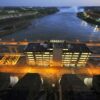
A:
x: 49, y: 2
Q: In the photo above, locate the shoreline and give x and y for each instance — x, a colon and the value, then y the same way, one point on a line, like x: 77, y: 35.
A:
x: 87, y: 19
x: 11, y: 25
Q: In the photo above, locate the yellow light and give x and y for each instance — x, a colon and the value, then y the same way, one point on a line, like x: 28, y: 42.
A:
x: 81, y: 62
x: 65, y: 49
x: 66, y: 53
x: 29, y: 52
x: 46, y: 53
x: 67, y: 58
x: 30, y: 57
x: 72, y: 65
x: 66, y: 65
x: 80, y: 65
x: 38, y: 55
x: 83, y: 58
x: 74, y: 58
x: 76, y: 53
x: 85, y: 53
x: 66, y: 62
x: 7, y: 59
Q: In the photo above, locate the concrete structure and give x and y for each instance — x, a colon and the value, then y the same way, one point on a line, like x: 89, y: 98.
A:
x: 72, y: 88
x: 27, y: 88
x: 58, y: 53
x: 96, y: 83
x: 75, y: 55
x: 39, y: 54
x: 4, y: 81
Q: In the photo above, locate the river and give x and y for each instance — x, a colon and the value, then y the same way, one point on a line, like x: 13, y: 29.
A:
x: 61, y: 25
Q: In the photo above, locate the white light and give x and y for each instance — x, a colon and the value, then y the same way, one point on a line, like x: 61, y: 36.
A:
x: 42, y: 80
x: 13, y: 80
x: 50, y: 49
x: 88, y: 82
x: 59, y: 80
x: 53, y: 85
x: 65, y: 49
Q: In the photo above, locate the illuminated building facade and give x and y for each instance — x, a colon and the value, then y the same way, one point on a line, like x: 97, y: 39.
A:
x: 39, y: 54
x: 57, y: 54
x: 75, y: 55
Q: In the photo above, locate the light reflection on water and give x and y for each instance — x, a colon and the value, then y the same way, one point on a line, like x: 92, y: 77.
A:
x: 63, y: 25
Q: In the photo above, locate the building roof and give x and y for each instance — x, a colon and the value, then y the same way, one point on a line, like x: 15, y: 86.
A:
x: 38, y: 47
x: 43, y: 47
x: 76, y: 48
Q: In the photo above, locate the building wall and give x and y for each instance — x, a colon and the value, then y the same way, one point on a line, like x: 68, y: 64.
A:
x: 59, y: 54
x: 69, y: 59
x: 83, y: 59
x: 40, y: 58
x: 75, y: 59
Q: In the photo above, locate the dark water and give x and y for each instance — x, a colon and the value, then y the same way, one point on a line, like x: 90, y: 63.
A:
x: 62, y: 25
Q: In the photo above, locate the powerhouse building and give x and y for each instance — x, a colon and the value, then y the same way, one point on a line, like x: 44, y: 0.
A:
x: 57, y: 54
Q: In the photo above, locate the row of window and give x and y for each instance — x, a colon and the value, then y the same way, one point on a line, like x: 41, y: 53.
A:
x: 67, y: 58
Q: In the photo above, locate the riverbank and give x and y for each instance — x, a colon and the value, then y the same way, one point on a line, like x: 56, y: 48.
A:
x: 17, y: 21
x: 58, y: 26
x: 11, y: 28
x: 8, y: 15
x: 88, y: 19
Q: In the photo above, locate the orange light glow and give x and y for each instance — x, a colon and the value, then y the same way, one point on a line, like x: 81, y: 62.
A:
x: 48, y: 63
x: 49, y: 70
x: 11, y: 59
x: 95, y: 71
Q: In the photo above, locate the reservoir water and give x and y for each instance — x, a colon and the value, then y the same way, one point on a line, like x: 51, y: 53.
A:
x: 62, y: 25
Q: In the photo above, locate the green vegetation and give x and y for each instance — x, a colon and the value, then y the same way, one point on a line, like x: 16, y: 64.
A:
x: 91, y: 15
x: 88, y: 18
x: 14, y: 19
x: 45, y: 11
x: 93, y: 9
x: 12, y: 15
x: 26, y: 11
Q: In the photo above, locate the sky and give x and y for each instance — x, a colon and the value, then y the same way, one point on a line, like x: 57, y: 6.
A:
x: 49, y: 2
